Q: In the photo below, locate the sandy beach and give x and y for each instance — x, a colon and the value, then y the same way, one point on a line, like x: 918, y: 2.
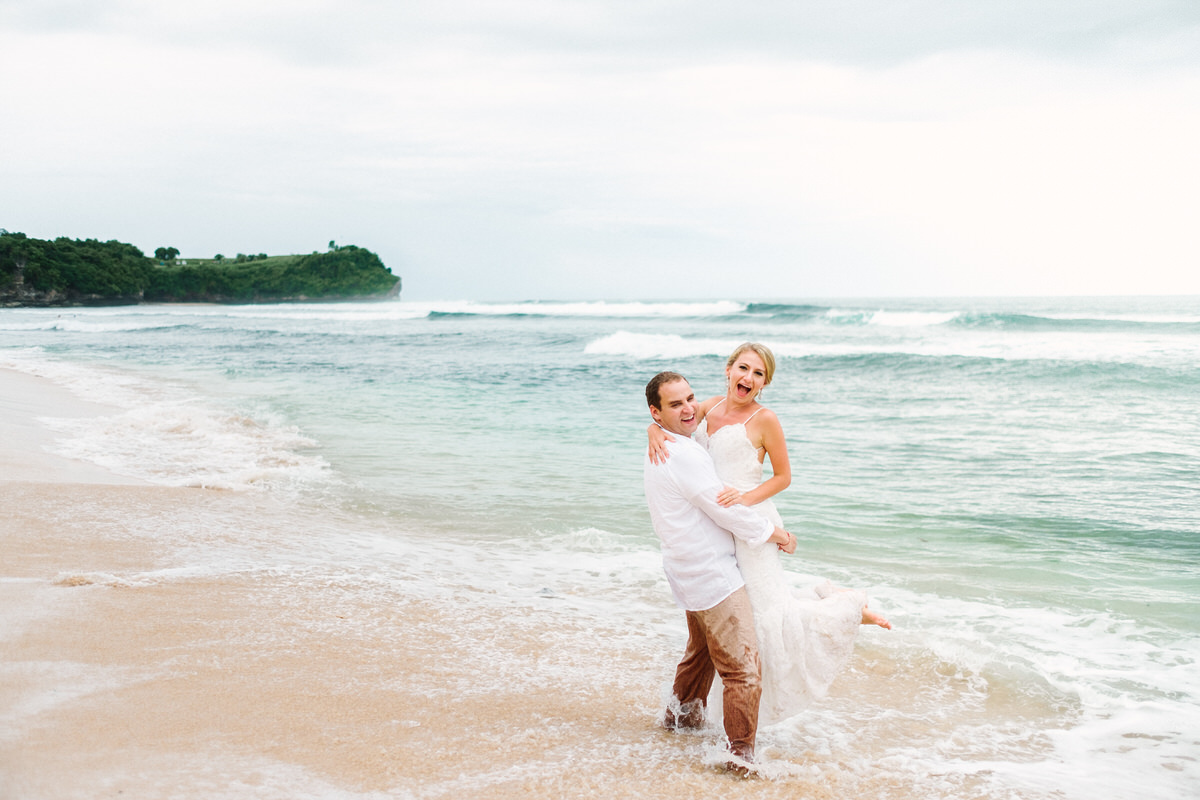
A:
x: 24, y: 401
x: 121, y: 674
x: 117, y: 680
x: 363, y: 550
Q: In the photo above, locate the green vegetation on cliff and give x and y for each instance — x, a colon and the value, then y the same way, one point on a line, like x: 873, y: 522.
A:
x: 73, y: 271
x: 64, y: 269
x: 345, y: 272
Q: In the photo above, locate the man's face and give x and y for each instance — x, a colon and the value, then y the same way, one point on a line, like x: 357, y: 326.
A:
x: 679, y: 407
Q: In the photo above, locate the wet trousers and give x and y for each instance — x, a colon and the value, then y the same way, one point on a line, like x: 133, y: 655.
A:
x: 721, y: 640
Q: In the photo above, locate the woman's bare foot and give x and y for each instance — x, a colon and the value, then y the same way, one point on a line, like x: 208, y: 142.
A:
x: 869, y: 617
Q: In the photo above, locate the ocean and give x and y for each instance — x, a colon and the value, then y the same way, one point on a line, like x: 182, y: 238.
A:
x: 1015, y: 482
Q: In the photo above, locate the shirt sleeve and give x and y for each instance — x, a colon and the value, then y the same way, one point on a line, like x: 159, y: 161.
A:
x: 699, y: 481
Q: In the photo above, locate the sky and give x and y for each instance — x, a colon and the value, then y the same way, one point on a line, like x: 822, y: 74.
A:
x: 623, y: 149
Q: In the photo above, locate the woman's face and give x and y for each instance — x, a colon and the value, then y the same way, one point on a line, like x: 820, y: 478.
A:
x: 747, y: 376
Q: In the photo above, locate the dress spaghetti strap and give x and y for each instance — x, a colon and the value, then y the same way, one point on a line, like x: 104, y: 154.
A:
x: 742, y: 423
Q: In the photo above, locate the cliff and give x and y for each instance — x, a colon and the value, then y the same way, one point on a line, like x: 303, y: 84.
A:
x: 68, y: 272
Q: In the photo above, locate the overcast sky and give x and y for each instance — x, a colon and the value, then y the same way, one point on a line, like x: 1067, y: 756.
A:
x: 623, y: 149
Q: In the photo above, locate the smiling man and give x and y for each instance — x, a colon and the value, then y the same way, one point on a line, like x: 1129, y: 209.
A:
x: 697, y: 533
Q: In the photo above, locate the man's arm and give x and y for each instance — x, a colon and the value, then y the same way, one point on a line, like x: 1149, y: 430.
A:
x: 698, y: 478
x: 744, y: 523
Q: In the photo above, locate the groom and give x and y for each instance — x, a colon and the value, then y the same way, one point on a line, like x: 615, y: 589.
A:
x: 698, y: 556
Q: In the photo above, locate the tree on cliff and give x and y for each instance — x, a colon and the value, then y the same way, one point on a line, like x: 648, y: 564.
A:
x: 84, y: 269
x: 70, y: 272
x: 14, y: 255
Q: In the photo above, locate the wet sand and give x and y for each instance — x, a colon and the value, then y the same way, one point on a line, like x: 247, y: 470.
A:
x: 122, y: 674
x: 24, y: 401
x: 133, y: 686
x: 114, y: 681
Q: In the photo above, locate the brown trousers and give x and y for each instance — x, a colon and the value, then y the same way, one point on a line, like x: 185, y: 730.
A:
x: 721, y: 640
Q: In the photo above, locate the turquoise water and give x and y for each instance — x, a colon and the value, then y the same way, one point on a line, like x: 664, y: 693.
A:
x: 1015, y: 481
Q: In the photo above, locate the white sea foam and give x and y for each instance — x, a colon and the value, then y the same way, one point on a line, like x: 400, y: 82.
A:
x: 69, y: 680
x: 1051, y: 346
x: 892, y: 319
x: 1155, y: 319
x: 1061, y: 346
x: 345, y: 312
x: 185, y: 443
x: 165, y: 434
x: 591, y: 309
x: 1105, y: 696
x: 1028, y: 701
x: 625, y: 344
x: 1022, y: 697
x: 70, y: 322
x: 273, y: 316
x: 419, y: 309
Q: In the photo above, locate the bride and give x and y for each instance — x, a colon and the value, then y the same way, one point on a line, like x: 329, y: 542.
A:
x: 805, y: 637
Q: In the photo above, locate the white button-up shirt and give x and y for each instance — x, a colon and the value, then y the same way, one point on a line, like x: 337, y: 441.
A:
x: 695, y: 530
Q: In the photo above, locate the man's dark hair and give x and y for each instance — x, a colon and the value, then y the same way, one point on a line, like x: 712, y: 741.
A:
x: 653, y: 395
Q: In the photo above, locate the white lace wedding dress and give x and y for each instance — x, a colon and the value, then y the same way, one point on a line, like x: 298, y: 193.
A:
x: 805, y: 637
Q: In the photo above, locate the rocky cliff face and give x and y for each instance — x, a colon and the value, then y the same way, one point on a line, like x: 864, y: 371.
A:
x: 18, y: 295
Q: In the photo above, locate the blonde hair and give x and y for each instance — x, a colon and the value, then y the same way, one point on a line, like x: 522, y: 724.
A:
x: 763, y: 352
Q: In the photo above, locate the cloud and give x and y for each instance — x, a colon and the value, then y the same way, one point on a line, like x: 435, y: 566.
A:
x: 551, y: 149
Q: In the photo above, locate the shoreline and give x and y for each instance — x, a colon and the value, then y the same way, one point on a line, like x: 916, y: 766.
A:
x: 129, y: 664
x: 195, y: 643
x: 125, y: 669
x: 122, y: 673
x: 25, y: 400
x: 116, y: 679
